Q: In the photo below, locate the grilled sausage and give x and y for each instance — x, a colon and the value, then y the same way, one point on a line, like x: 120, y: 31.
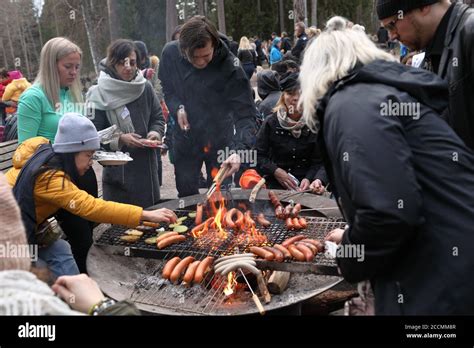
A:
x: 202, y: 269
x: 166, y: 235
x: 235, y: 256
x: 279, y: 257
x: 296, y: 224
x: 225, y: 265
x: 303, y: 223
x: 229, y: 222
x: 296, y: 210
x: 198, y: 228
x: 284, y: 250
x: 316, y: 243
x: 288, y: 210
x: 223, y: 215
x: 274, y: 199
x: 292, y: 240
x: 170, y: 241
x: 248, y: 218
x: 199, y: 212
x: 313, y: 248
x: 264, y: 254
x: 243, y: 265
x: 296, y: 253
x: 169, y: 267
x: 190, y: 272
x: 289, y: 223
x: 239, y: 222
x: 279, y: 212
x: 180, y: 269
x: 263, y: 221
x: 308, y: 254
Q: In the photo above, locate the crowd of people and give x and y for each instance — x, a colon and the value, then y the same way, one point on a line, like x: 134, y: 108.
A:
x: 334, y: 110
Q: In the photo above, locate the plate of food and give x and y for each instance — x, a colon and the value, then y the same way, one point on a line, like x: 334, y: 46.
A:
x: 107, y: 159
x: 154, y: 144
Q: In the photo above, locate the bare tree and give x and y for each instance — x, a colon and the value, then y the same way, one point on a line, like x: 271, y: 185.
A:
x: 282, y: 15
x: 5, y: 61
x: 299, y: 10
x: 10, y: 41
x: 114, y: 20
x: 87, y: 15
x: 171, y: 18
x: 200, y: 7
x: 314, y: 12
x: 221, y: 16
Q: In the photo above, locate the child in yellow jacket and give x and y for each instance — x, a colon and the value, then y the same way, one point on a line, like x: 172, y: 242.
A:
x: 14, y: 90
x: 44, y: 177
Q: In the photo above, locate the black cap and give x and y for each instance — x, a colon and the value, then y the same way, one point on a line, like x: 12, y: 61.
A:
x: 267, y: 82
x: 388, y: 8
x: 290, y: 82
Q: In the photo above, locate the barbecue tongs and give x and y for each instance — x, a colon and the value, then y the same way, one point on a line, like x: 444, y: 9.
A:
x: 218, y: 179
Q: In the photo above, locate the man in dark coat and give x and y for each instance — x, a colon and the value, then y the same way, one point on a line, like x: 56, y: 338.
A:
x: 404, y: 182
x: 446, y: 32
x: 285, y: 42
x: 382, y: 37
x: 209, y: 96
x: 301, y: 41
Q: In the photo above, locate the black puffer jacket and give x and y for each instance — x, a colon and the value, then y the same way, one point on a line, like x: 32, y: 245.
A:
x: 405, y: 185
x: 457, y: 67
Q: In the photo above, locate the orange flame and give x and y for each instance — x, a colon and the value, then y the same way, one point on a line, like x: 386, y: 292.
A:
x: 231, y: 284
x: 213, y: 230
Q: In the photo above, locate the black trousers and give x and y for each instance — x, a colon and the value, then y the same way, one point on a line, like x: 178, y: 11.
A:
x: 78, y: 230
x: 187, y: 170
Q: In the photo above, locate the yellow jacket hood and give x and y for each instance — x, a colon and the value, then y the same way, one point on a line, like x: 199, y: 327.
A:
x: 22, y: 154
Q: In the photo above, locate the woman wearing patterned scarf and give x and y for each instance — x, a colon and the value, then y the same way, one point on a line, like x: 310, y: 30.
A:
x: 288, y: 155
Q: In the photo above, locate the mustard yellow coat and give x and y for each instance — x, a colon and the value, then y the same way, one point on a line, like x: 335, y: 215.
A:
x: 58, y: 192
x: 14, y: 90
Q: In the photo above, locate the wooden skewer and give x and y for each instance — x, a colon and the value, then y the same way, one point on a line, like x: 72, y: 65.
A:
x: 255, y: 298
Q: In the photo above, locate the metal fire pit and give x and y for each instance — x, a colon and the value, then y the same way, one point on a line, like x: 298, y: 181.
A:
x: 133, y: 271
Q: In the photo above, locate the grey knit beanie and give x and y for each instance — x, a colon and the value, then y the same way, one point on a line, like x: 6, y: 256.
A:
x: 76, y: 133
x: 388, y: 8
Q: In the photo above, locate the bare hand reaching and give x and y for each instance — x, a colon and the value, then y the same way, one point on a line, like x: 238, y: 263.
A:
x: 80, y: 292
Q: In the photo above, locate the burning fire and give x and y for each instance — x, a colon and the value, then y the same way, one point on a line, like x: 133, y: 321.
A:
x: 231, y: 284
x: 219, y: 224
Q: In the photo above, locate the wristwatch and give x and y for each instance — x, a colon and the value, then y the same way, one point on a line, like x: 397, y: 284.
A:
x: 101, y: 306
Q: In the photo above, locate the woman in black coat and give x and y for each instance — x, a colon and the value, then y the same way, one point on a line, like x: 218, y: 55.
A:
x: 287, y: 153
x: 403, y: 178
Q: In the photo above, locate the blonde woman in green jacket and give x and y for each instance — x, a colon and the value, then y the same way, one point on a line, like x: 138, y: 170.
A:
x: 56, y: 91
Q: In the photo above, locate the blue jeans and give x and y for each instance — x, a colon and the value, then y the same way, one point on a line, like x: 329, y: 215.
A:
x: 58, y: 258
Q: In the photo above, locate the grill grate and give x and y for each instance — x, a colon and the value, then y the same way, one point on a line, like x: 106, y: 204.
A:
x: 209, y: 299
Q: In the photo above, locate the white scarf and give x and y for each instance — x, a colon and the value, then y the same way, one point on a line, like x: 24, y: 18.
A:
x: 287, y: 123
x: 112, y: 95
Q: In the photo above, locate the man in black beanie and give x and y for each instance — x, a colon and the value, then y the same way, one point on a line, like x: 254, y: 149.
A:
x: 445, y: 32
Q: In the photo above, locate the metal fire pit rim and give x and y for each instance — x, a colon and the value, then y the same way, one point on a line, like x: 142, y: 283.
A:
x: 331, y: 210
x: 111, y: 290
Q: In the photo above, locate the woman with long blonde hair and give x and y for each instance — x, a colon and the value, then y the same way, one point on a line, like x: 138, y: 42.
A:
x: 397, y: 170
x: 247, y: 57
x: 55, y: 92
